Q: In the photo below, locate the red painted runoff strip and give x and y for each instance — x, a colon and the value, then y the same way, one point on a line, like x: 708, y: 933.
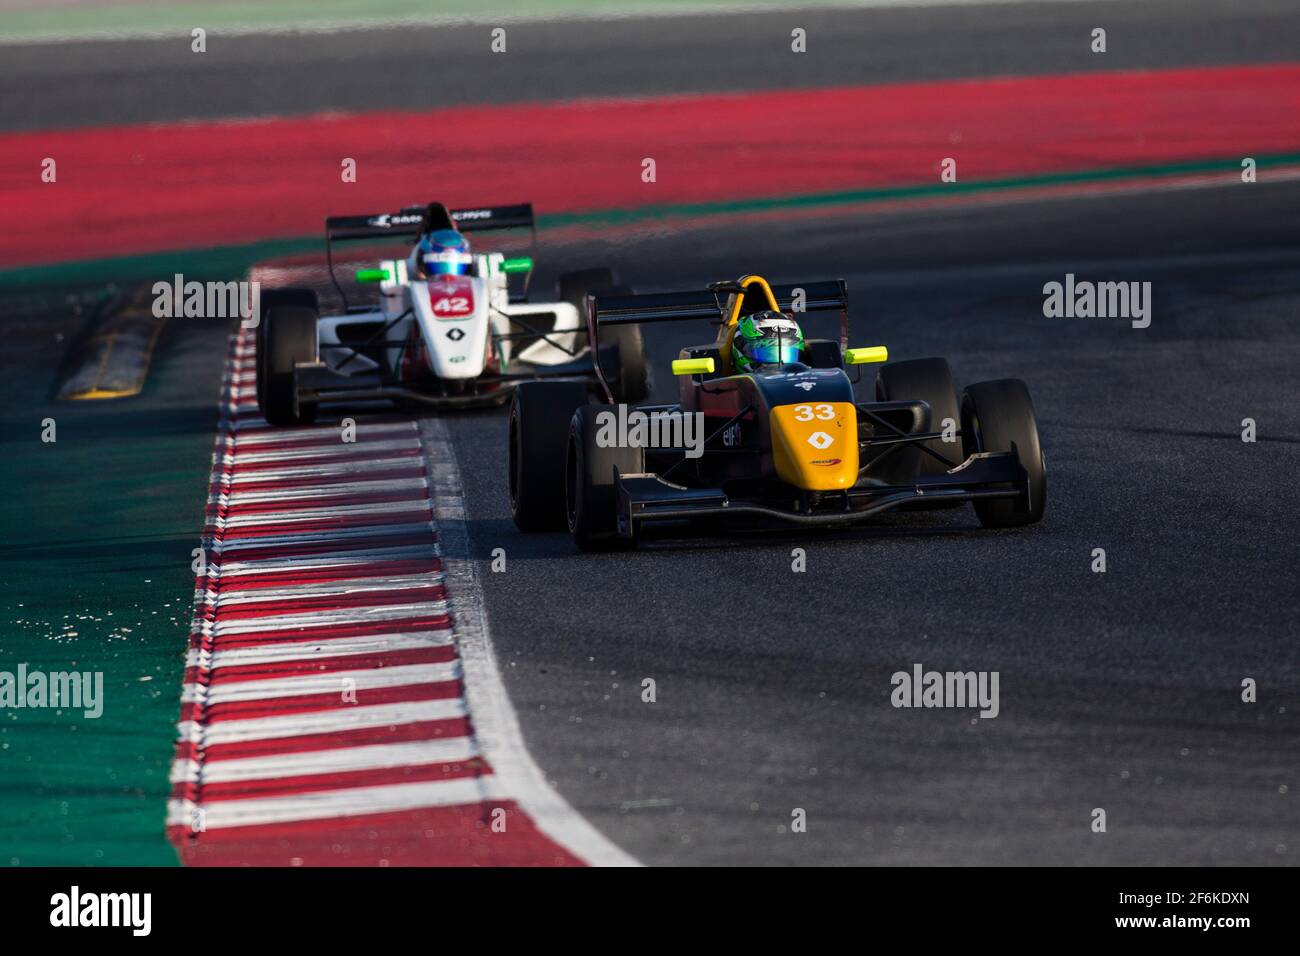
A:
x: 454, y: 836
x: 325, y: 574
x: 332, y: 700
x: 145, y: 188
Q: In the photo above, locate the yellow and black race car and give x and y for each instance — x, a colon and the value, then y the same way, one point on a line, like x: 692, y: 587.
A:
x: 767, y: 427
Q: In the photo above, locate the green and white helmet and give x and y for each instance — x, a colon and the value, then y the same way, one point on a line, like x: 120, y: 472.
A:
x: 764, y: 340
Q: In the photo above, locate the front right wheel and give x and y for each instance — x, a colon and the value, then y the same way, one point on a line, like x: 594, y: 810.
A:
x: 928, y: 380
x: 998, y: 416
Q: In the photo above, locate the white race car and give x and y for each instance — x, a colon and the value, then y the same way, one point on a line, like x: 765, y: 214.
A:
x: 447, y: 339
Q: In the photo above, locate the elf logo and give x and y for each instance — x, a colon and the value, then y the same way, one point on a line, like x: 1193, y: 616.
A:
x: 76, y: 909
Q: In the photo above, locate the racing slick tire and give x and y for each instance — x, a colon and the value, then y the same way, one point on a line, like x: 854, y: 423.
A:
x: 590, y: 500
x: 271, y: 299
x: 633, y: 370
x: 998, y: 416
x: 540, y: 413
x: 929, y: 380
x: 289, y: 333
x: 632, y: 374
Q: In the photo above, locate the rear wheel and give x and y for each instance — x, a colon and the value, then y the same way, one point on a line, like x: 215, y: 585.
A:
x: 631, y: 377
x: 290, y: 337
x: 633, y: 370
x: 540, y: 413
x: 928, y: 380
x: 999, y: 416
x: 590, y: 499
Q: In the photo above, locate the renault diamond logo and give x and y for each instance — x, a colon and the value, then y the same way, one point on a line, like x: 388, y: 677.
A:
x: 820, y: 440
x: 456, y: 335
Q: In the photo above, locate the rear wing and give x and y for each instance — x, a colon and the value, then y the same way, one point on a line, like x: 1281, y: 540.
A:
x: 404, y: 222
x: 825, y: 296
x: 412, y: 221
x: 751, y: 295
x: 495, y: 217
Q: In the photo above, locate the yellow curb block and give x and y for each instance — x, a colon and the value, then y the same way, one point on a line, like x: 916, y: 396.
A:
x: 114, y: 359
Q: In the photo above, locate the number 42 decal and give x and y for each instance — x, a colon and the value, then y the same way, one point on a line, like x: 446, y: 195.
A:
x: 455, y: 304
x: 806, y: 413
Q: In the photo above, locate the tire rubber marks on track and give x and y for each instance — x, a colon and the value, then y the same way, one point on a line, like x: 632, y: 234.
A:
x: 327, y: 715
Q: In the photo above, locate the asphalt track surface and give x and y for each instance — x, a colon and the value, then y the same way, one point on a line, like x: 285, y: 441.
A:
x: 1118, y: 690
x: 81, y: 84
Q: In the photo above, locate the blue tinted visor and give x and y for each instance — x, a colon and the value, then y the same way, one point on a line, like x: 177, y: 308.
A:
x: 773, y: 350
x: 446, y: 263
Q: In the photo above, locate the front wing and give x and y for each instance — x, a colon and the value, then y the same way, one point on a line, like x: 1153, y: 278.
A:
x: 647, y: 497
x: 320, y: 384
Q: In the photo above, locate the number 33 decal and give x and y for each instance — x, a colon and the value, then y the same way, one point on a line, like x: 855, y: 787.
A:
x: 806, y: 413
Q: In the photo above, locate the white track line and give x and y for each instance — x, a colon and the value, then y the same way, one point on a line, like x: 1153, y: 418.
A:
x: 323, y: 470
x: 496, y: 726
x: 292, y: 621
x: 365, y: 449
x: 343, y: 588
x: 338, y: 720
x: 311, y: 762
x: 326, y: 804
x: 413, y: 486
x: 298, y: 436
x: 231, y: 566
x: 298, y: 515
x: 283, y: 651
x: 333, y: 682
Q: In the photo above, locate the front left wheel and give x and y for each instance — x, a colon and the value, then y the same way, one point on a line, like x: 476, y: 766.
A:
x: 290, y: 340
x: 275, y: 299
x: 540, y: 413
x: 591, y: 502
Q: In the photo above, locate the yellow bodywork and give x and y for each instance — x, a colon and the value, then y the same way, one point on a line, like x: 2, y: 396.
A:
x: 815, y: 446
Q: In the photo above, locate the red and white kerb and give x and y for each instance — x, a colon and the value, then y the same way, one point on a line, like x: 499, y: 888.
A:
x: 325, y: 714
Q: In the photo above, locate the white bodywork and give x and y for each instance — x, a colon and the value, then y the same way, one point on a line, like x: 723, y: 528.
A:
x: 460, y: 320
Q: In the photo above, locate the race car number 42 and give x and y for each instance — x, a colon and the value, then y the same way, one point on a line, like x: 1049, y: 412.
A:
x: 452, y: 305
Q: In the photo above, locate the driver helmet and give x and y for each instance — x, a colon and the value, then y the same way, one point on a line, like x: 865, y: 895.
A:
x: 444, y: 252
x: 764, y: 340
